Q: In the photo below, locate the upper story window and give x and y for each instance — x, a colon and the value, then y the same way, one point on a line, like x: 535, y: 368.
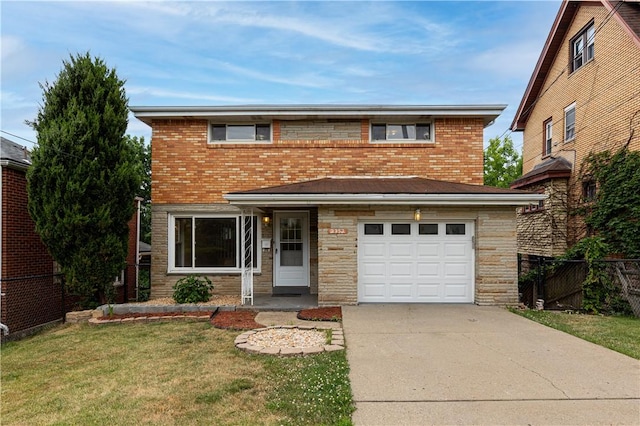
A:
x: 570, y: 122
x: 582, y: 47
x: 588, y: 190
x: 240, y: 133
x: 418, y: 132
x: 547, y: 138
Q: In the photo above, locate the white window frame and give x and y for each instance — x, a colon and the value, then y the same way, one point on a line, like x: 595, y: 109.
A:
x: 414, y: 140
x: 171, y: 243
x: 586, y: 39
x: 570, y: 127
x: 548, y: 137
x: 247, y: 141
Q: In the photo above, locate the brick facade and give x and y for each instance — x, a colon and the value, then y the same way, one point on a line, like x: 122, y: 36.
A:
x: 187, y: 169
x: 32, y: 296
x: 607, y: 99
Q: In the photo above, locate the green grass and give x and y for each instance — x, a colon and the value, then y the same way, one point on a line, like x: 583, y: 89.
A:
x: 622, y: 334
x: 170, y: 373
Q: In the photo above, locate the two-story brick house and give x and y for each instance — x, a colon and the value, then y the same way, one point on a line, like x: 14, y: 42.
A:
x: 357, y: 203
x: 583, y: 97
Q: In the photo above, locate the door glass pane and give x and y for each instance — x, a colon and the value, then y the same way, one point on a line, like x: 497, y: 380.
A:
x: 401, y: 229
x: 215, y: 242
x: 291, y: 249
x: 428, y: 229
x: 373, y: 229
x: 455, y: 229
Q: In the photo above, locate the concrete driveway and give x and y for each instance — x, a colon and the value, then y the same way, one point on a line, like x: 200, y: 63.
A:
x: 466, y: 364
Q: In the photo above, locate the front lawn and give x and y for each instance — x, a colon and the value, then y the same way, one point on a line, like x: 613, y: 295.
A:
x: 622, y: 334
x: 165, y: 373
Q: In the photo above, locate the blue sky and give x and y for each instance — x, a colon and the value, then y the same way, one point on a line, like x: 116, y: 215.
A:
x: 332, y: 52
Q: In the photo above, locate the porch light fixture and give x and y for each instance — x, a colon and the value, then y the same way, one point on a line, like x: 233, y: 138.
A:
x: 417, y: 215
x: 266, y: 220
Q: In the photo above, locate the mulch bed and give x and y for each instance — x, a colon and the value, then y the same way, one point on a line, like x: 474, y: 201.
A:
x: 235, y: 320
x: 331, y: 313
x: 159, y: 314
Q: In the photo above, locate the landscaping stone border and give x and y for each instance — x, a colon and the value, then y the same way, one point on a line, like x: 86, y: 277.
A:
x: 151, y: 318
x: 337, y: 342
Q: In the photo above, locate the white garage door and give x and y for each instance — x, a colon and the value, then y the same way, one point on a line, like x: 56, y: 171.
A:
x: 415, y: 262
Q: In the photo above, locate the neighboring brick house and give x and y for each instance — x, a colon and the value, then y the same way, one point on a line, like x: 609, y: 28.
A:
x: 583, y: 97
x: 355, y: 203
x: 31, y: 292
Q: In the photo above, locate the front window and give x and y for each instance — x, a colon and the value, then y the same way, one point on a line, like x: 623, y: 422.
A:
x: 583, y: 47
x: 240, y: 133
x: 401, y: 132
x: 548, y: 138
x: 570, y: 122
x: 207, y: 243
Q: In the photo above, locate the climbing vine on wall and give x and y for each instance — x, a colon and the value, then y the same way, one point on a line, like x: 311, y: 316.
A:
x: 615, y: 211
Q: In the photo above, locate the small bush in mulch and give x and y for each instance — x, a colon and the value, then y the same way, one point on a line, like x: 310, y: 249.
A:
x: 331, y: 313
x: 235, y: 320
x: 160, y: 314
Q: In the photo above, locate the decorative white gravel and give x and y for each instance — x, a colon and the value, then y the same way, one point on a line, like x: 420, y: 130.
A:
x: 287, y: 338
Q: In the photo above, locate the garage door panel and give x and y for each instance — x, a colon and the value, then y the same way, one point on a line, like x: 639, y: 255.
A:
x: 459, y: 290
x: 401, y: 269
x: 428, y: 249
x: 375, y: 290
x: 400, y: 290
x: 455, y: 249
x: 425, y: 267
x: 456, y: 269
x: 373, y: 270
x: 401, y: 250
x: 374, y: 249
x: 428, y: 269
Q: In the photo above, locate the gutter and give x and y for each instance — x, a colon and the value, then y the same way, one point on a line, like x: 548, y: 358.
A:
x: 384, y: 199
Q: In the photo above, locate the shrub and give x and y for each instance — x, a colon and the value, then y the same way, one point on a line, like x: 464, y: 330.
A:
x: 192, y: 289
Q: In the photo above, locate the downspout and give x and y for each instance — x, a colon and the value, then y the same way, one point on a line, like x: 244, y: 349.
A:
x: 137, y: 258
x: 4, y: 328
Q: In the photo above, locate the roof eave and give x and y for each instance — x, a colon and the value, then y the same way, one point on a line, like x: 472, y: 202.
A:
x: 558, y: 30
x: 384, y: 199
x: 146, y: 114
x: 12, y: 164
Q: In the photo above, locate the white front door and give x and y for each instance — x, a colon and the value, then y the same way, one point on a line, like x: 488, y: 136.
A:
x: 291, y: 241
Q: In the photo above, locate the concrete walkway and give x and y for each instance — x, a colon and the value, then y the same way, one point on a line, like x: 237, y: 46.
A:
x: 465, y: 364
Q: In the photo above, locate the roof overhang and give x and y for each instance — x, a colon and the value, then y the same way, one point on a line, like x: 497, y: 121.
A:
x: 275, y: 200
x: 300, y: 112
x: 12, y: 164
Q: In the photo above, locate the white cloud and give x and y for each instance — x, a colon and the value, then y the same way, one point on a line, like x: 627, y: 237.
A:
x: 165, y: 95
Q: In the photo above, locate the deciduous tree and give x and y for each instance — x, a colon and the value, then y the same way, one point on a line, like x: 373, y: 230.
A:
x: 502, y: 163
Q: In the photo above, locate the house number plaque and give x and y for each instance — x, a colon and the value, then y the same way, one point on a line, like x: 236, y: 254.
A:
x: 337, y: 231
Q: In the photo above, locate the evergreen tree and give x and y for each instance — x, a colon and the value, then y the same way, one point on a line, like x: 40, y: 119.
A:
x: 85, y: 174
x: 502, y: 163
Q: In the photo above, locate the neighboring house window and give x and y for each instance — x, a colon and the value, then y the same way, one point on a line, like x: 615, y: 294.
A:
x: 401, y: 132
x: 240, y: 133
x: 588, y: 191
x: 534, y: 207
x: 203, y: 243
x: 548, y: 138
x: 582, y: 47
x: 570, y: 122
